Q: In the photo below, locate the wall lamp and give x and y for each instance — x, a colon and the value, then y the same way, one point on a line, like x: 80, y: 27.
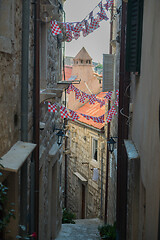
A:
x: 111, y: 144
x: 60, y: 134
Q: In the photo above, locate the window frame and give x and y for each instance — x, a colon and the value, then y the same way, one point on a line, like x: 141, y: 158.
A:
x: 134, y: 35
x: 94, y: 149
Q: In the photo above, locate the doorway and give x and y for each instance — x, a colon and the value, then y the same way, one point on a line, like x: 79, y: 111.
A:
x: 83, y: 202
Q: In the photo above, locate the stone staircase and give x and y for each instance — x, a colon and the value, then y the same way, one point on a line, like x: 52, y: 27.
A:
x: 83, y: 229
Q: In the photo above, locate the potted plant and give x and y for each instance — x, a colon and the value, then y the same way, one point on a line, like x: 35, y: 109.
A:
x: 107, y: 232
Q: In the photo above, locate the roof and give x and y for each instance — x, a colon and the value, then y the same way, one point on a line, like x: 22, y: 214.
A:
x: 68, y: 72
x: 92, y: 110
x: 82, y: 55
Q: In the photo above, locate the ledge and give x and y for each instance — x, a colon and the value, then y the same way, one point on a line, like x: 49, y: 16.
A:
x: 46, y: 94
x: 16, y: 156
x: 5, y: 45
x: 81, y: 178
x: 131, y: 150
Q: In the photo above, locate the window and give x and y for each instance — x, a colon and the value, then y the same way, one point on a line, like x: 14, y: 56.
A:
x: 134, y: 35
x: 94, y: 149
x: 81, y: 61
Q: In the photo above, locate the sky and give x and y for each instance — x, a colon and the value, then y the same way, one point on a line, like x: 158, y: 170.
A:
x: 97, y: 42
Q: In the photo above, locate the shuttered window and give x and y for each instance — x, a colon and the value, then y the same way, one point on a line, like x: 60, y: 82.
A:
x: 108, y: 72
x: 134, y: 35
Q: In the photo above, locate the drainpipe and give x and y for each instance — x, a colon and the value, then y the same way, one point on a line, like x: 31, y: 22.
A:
x: 108, y: 132
x: 122, y: 160
x: 24, y: 108
x: 36, y: 100
x: 107, y: 169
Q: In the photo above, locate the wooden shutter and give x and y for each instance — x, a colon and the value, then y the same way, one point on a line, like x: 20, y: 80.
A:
x: 108, y: 72
x: 134, y: 35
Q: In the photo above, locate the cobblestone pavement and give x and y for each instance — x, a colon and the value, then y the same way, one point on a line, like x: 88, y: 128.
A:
x: 84, y: 229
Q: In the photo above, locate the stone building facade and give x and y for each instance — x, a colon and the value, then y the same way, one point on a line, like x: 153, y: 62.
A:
x: 85, y: 195
x: 83, y: 70
x: 12, y: 48
x: 86, y: 163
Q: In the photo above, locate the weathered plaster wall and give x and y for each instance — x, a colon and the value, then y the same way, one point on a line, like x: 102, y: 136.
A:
x: 10, y: 107
x: 145, y: 130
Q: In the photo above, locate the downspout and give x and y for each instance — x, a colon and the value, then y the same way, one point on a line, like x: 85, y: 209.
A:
x: 36, y: 100
x: 108, y: 131
x: 24, y: 108
x: 65, y: 123
x: 122, y: 160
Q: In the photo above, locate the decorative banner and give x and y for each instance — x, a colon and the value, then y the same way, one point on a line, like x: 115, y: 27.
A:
x: 92, y: 99
x: 73, y: 115
x: 55, y: 28
x: 111, y: 113
x: 86, y: 26
x: 64, y: 112
x: 108, y: 95
x: 52, y: 107
x: 83, y: 97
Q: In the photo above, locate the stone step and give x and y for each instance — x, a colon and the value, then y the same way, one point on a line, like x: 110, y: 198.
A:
x: 82, y: 229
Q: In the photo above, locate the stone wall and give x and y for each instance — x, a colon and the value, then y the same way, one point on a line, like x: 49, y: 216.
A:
x: 80, y: 160
x: 50, y: 213
x: 10, y: 74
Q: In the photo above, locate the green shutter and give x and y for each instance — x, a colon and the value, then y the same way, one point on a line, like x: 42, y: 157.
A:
x: 134, y: 35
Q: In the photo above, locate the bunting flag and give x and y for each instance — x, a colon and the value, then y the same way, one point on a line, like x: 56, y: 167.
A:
x: 95, y: 119
x: 55, y: 28
x: 77, y: 93
x: 116, y: 102
x: 64, y: 112
x: 73, y: 115
x: 94, y: 24
x: 103, y: 15
x: 102, y: 103
x: 111, y: 113
x: 52, y: 107
x: 92, y: 99
x: 86, y: 116
x: 68, y: 113
x: 86, y: 26
x: 108, y: 95
x: 83, y: 97
x: 117, y: 93
x: 100, y: 5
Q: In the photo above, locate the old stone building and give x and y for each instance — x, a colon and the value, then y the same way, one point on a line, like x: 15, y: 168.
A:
x: 30, y: 60
x: 87, y: 163
x: 82, y: 69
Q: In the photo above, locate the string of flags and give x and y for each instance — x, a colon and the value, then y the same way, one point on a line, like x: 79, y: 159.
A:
x: 70, y: 114
x: 82, y: 96
x: 86, y: 26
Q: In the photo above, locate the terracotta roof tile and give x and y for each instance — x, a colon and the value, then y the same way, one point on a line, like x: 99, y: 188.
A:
x: 92, y: 110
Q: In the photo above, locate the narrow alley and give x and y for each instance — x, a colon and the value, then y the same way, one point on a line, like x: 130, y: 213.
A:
x: 82, y: 229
